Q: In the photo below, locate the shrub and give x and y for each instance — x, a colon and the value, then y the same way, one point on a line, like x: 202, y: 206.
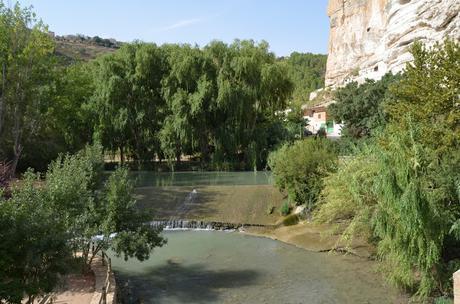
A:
x: 404, y: 192
x: 299, y: 168
x: 348, y: 198
x: 443, y: 300
x: 290, y: 220
x: 285, y: 208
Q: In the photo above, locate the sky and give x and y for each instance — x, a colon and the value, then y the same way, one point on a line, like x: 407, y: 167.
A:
x: 287, y: 25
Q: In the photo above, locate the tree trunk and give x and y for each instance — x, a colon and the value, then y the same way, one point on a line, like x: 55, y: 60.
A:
x: 122, y: 156
x: 17, y: 150
x: 17, y: 147
x: 2, y: 97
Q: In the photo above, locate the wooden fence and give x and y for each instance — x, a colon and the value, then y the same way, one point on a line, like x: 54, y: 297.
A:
x: 106, y: 288
x: 457, y: 287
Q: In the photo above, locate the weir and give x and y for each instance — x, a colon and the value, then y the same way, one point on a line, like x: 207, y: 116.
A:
x: 174, y: 223
x: 181, y: 224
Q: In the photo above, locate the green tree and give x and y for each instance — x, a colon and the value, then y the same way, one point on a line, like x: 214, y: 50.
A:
x: 190, y: 92
x: 307, y: 72
x: 300, y: 168
x: 33, y: 247
x: 127, y: 103
x: 252, y: 87
x: 26, y: 69
x: 407, y: 197
x: 361, y: 107
x: 429, y: 93
x: 90, y: 206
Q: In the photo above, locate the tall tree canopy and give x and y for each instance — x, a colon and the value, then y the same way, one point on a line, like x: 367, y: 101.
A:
x: 215, y: 102
x: 307, y: 72
x: 27, y: 66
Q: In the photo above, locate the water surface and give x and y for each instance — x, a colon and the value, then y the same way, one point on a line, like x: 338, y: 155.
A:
x: 222, y: 267
x: 200, y: 178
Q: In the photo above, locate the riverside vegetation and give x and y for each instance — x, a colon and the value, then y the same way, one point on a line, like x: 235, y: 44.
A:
x: 395, y: 176
x: 221, y: 104
x: 392, y: 179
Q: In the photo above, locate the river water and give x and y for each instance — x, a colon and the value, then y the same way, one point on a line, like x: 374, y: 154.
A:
x: 200, y: 178
x: 230, y: 267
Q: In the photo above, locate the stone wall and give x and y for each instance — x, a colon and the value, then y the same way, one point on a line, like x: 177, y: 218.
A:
x: 369, y: 38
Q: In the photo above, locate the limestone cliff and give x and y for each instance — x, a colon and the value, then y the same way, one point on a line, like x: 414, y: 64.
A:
x: 369, y: 38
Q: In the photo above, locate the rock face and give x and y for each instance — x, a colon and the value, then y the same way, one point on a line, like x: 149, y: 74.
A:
x: 369, y: 38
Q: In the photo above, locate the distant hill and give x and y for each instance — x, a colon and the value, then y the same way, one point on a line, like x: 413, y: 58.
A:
x: 84, y: 48
x: 307, y: 72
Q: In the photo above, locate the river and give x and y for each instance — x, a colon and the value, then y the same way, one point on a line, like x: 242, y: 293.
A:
x: 231, y: 267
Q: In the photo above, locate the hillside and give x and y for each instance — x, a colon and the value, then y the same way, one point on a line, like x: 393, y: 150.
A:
x: 83, y: 48
x: 307, y: 71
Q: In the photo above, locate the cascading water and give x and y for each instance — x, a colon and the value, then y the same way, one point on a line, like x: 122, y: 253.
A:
x: 175, y: 223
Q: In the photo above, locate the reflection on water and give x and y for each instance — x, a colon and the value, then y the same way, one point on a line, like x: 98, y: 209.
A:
x: 219, y: 267
x: 203, y: 178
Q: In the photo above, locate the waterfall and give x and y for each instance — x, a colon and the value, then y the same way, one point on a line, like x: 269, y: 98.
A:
x: 176, y: 224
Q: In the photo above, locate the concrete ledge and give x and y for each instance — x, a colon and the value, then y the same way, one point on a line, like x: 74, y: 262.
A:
x: 457, y: 287
x: 100, y: 275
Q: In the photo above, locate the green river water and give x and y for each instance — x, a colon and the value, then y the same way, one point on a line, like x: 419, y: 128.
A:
x: 231, y: 267
x: 201, y: 178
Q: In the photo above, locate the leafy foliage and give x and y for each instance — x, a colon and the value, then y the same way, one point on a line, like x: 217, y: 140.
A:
x: 300, y: 168
x: 402, y: 191
x: 33, y: 250
x: 307, y: 72
x: 360, y: 107
x: 92, y: 207
x: 430, y: 93
x: 43, y: 222
x: 348, y: 199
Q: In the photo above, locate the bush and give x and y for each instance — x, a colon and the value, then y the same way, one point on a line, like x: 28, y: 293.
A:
x: 290, y: 220
x: 443, y: 300
x: 299, y: 168
x: 285, y: 208
x: 348, y: 197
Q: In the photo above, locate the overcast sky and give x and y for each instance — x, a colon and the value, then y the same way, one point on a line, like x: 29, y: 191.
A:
x: 287, y: 25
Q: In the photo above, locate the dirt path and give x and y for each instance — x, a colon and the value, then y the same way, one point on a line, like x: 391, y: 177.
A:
x: 77, y: 289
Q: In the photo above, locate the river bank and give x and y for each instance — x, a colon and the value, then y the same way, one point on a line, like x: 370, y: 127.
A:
x: 312, y: 237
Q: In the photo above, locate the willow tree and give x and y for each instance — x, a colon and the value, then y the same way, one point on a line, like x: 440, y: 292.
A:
x: 190, y: 92
x: 252, y: 87
x: 404, y: 192
x: 127, y: 102
x: 222, y: 99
